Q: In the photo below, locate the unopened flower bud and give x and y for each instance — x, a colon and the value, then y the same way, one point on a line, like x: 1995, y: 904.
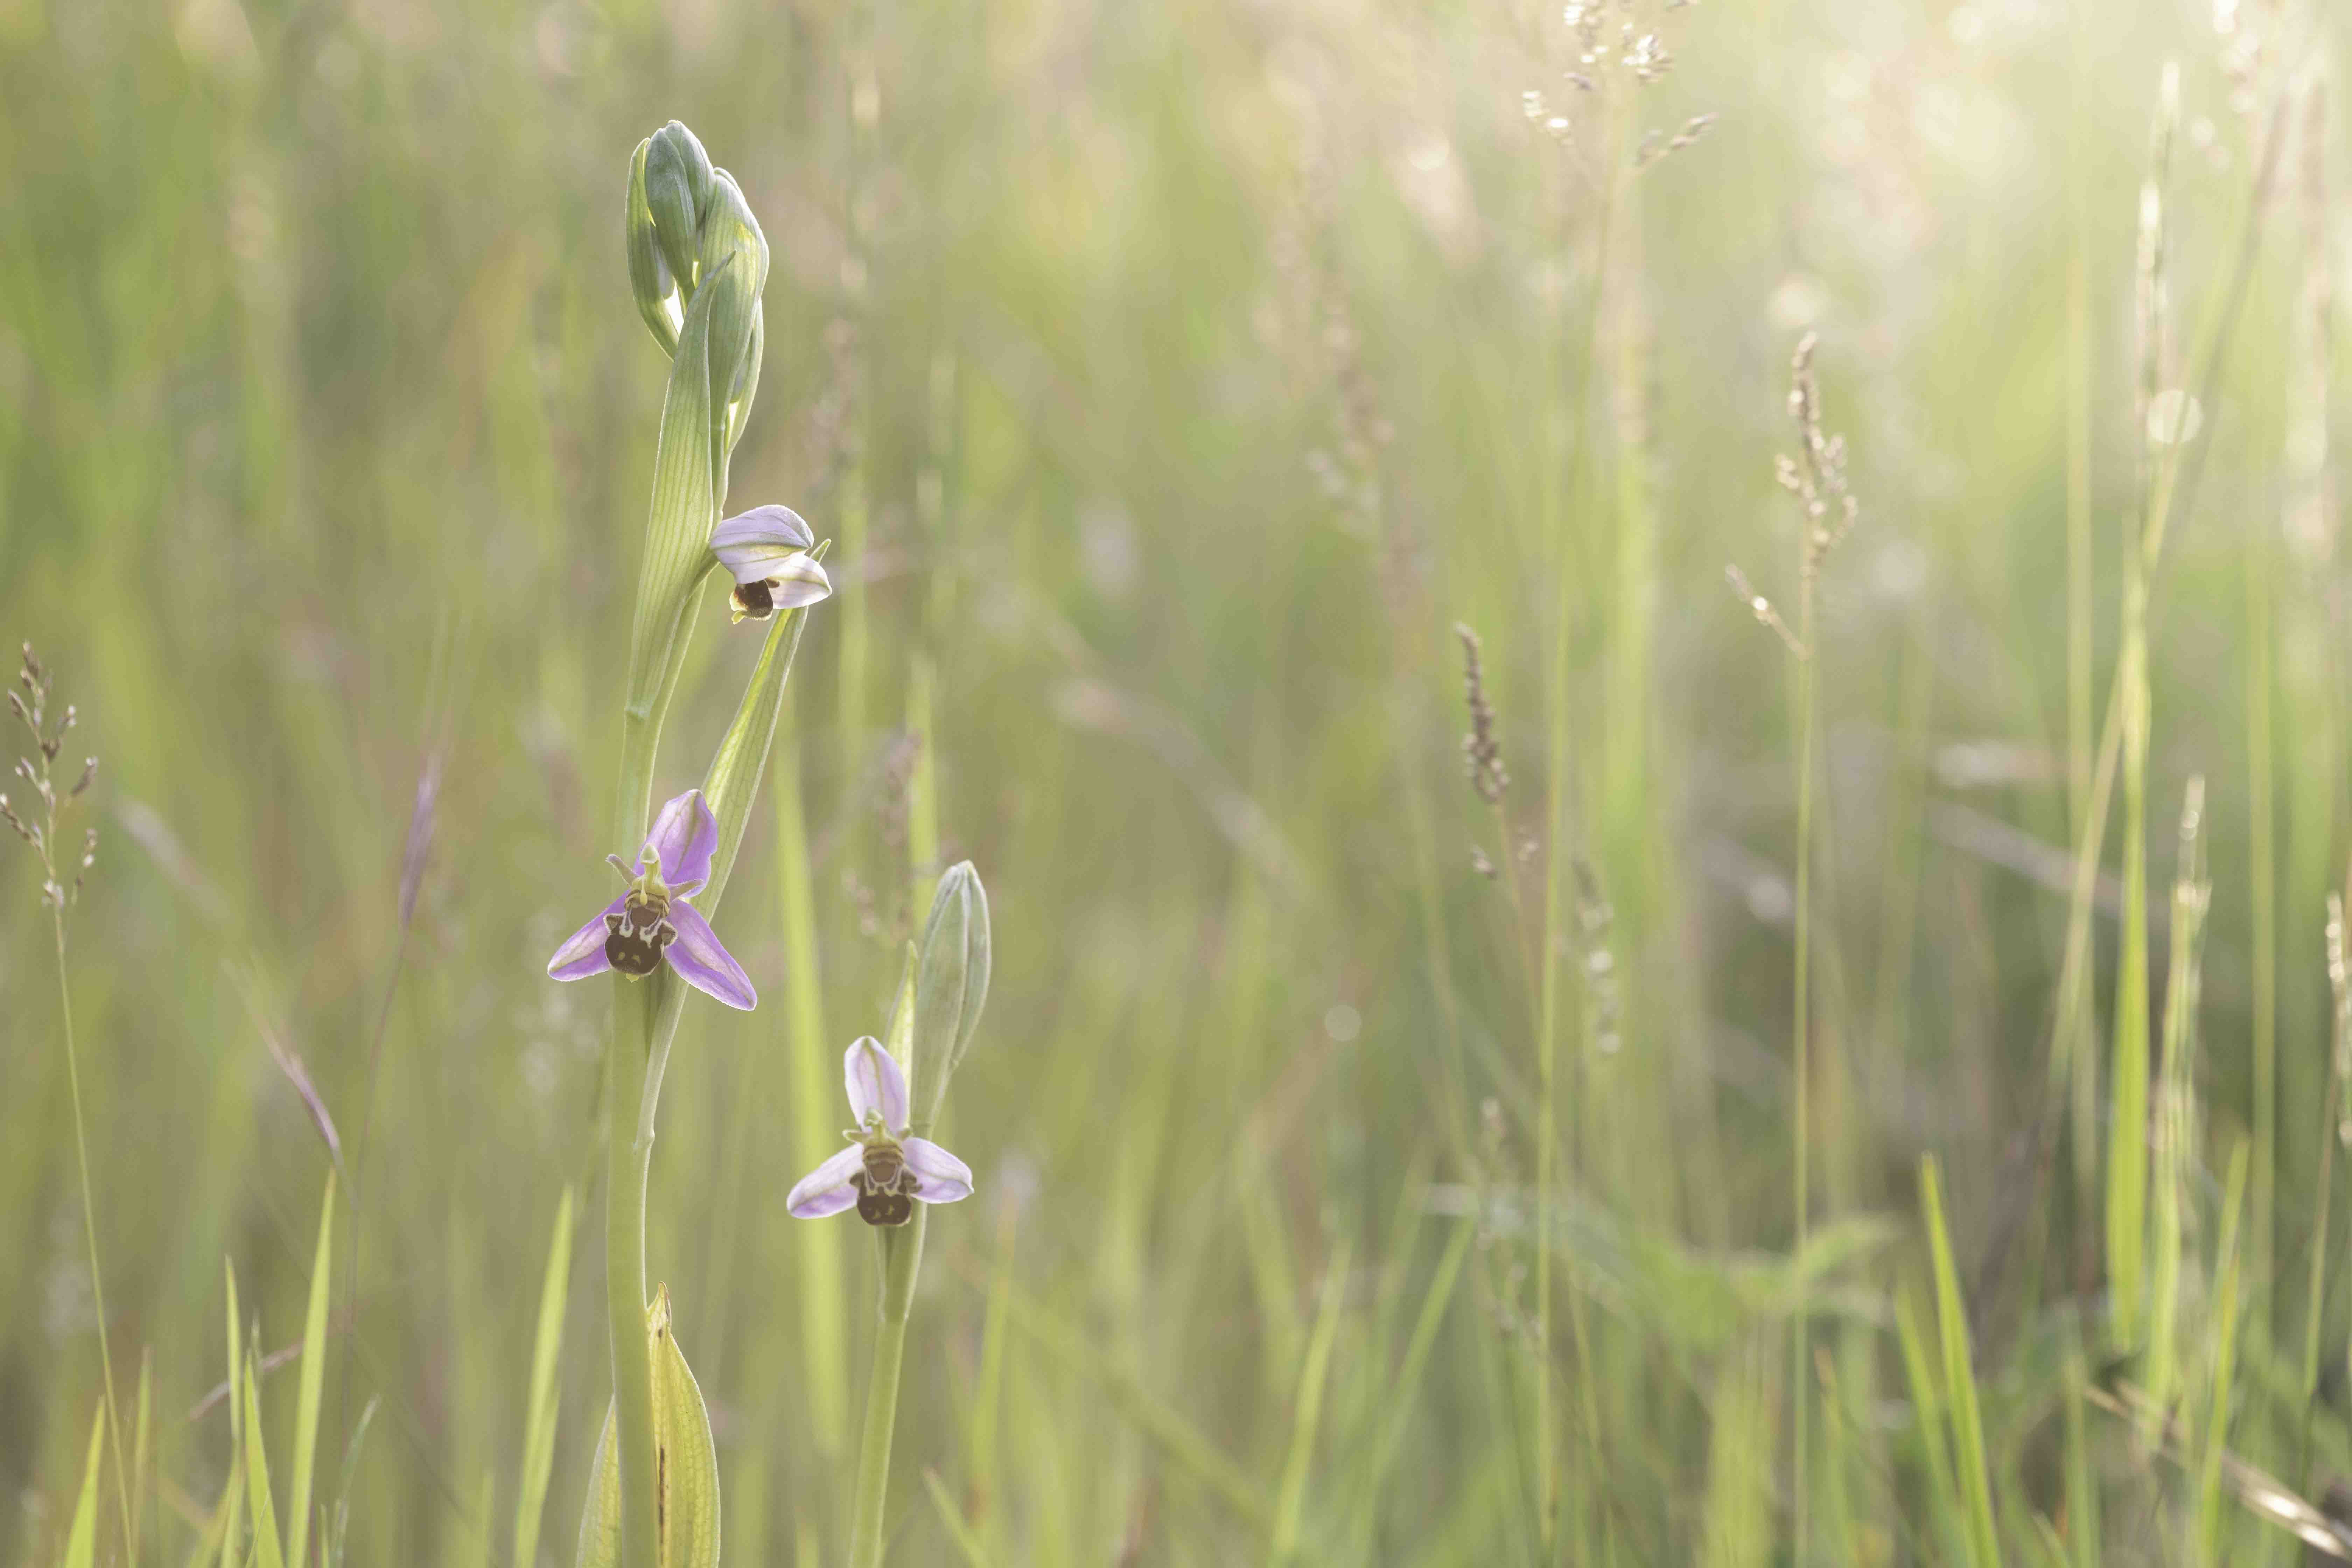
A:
x: 678, y: 184
x: 951, y: 984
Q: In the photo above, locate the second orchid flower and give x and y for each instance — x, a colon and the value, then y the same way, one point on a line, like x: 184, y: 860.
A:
x: 766, y: 551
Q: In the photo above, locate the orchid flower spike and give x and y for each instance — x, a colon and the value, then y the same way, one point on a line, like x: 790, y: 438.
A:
x: 766, y: 550
x: 652, y: 922
x: 884, y: 1172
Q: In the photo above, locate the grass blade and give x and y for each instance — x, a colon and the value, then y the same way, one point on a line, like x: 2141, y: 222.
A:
x: 539, y: 1427
x: 81, y: 1540
x: 314, y: 1372
x: 268, y: 1550
x: 2225, y: 1351
x: 1307, y: 1416
x: 1927, y: 1423
x: 233, y: 1531
x: 143, y: 1448
x: 1959, y: 1378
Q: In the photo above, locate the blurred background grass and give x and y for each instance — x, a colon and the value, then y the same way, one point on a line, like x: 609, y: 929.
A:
x: 1170, y: 377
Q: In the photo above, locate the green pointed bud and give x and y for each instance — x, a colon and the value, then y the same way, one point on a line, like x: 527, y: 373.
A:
x: 686, y: 1466
x: 658, y: 298
x: 950, y: 986
x: 678, y: 181
x: 732, y: 255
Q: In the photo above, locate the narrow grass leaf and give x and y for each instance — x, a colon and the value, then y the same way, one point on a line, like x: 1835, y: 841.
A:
x: 2224, y: 1349
x: 1927, y: 1427
x: 142, y: 1449
x: 81, y: 1540
x: 1960, y: 1377
x: 267, y: 1552
x: 312, y: 1384
x: 538, y: 1423
x: 1307, y: 1414
x: 233, y: 1531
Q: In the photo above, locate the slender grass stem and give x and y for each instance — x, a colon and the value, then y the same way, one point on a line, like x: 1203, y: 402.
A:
x: 902, y: 1257
x: 1800, y: 1188
x: 89, y: 1226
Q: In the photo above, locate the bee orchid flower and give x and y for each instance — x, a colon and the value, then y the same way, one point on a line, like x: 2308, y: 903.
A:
x: 884, y: 1171
x: 766, y: 551
x: 652, y: 922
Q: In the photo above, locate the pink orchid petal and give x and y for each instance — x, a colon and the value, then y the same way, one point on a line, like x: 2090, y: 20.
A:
x: 826, y: 1190
x: 582, y: 953
x: 703, y: 963
x: 685, y: 836
x: 945, y: 1178
x: 876, y: 1085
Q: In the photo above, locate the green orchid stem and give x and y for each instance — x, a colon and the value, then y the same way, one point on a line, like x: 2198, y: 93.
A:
x: 628, y: 1157
x: 645, y: 1019
x: 902, y: 1256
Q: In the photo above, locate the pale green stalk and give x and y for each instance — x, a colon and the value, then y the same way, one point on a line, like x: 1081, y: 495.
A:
x: 2225, y: 1352
x: 2075, y: 1027
x: 90, y: 1214
x: 628, y: 1157
x: 1800, y: 1188
x: 2262, y: 894
x: 902, y: 1256
x: 1550, y: 1002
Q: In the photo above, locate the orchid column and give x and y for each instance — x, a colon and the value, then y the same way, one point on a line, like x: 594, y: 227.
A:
x: 696, y: 263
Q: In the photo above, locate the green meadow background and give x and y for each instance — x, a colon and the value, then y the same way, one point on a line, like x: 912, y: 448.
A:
x: 1171, y: 377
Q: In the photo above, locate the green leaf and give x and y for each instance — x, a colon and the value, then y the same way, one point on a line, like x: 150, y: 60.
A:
x: 539, y: 1425
x: 314, y: 1369
x: 687, y: 1464
x: 689, y: 1459
x: 683, y: 512
x: 267, y: 1551
x: 600, y: 1521
x: 81, y: 1540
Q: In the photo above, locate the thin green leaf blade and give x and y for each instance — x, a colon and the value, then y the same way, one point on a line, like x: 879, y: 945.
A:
x: 1960, y: 1377
x: 313, y: 1384
x: 539, y: 1427
x: 81, y: 1540
x: 268, y: 1550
